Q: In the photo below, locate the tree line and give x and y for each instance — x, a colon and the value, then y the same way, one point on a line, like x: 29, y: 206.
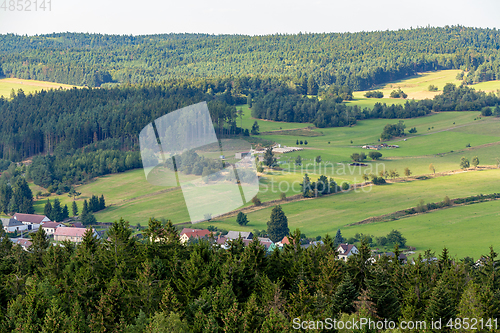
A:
x: 289, y: 106
x: 358, y: 60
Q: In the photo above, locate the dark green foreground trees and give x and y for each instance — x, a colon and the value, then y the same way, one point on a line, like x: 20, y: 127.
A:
x: 122, y: 284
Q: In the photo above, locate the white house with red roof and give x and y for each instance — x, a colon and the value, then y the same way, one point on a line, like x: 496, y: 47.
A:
x: 50, y: 227
x: 188, y: 233
x: 74, y: 235
x: 33, y: 221
x: 346, y: 250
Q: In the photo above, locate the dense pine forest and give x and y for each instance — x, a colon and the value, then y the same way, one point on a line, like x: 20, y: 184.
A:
x: 126, y: 284
x: 358, y: 60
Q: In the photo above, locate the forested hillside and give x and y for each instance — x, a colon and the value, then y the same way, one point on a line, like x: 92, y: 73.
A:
x: 124, y: 284
x: 68, y: 120
x: 358, y: 60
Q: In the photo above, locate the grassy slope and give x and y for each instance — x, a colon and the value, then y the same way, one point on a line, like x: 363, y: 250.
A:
x: 417, y: 88
x: 28, y: 86
x: 464, y: 230
x: 327, y: 214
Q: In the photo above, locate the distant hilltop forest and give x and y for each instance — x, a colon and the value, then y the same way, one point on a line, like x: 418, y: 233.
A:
x: 358, y: 60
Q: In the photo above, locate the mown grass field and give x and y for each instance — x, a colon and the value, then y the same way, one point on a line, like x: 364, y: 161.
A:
x: 464, y: 230
x: 28, y: 86
x: 327, y: 214
x: 417, y: 88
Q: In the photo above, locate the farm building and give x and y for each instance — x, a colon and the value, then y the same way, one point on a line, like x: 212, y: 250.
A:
x: 33, y: 221
x: 242, y: 155
x: 13, y: 225
x: 50, y: 227
x: 74, y: 235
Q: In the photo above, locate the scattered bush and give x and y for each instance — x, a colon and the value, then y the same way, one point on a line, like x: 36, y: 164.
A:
x: 256, y: 201
x: 374, y: 94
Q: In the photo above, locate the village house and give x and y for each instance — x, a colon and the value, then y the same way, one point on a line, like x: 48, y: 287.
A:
x: 13, y: 225
x: 50, y: 227
x: 33, y: 221
x: 346, y: 250
x: 283, y: 242
x: 74, y: 235
x: 187, y: 233
x: 232, y: 235
x: 22, y: 242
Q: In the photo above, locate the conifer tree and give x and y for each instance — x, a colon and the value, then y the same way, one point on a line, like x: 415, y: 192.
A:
x: 277, y: 226
x: 345, y: 295
x: 253, y: 316
x: 440, y: 303
x: 383, y: 294
x: 65, y: 212
x: 55, y: 320
x: 338, y: 239
x: 74, y: 208
x: 56, y: 211
x: 47, y: 211
x: 242, y: 219
x: 102, y: 203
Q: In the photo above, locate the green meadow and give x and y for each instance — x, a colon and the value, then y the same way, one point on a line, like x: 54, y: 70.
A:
x: 327, y: 214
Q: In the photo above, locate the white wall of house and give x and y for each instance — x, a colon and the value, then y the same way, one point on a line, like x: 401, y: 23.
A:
x: 14, y: 228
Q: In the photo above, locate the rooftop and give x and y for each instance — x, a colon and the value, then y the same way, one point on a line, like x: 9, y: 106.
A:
x: 32, y: 218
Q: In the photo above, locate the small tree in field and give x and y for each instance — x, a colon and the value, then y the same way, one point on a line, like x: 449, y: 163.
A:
x: 318, y: 159
x: 464, y: 163
x: 375, y: 155
x: 365, y: 177
x: 298, y: 160
x: 242, y: 219
x: 475, y: 161
x: 283, y: 196
x: 432, y: 168
x: 407, y: 172
x: 256, y: 201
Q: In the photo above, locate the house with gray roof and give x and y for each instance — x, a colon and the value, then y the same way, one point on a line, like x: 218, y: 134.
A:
x: 13, y: 225
x: 232, y: 235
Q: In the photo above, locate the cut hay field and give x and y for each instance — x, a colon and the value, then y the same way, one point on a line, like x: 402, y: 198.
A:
x: 417, y: 88
x: 28, y: 86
